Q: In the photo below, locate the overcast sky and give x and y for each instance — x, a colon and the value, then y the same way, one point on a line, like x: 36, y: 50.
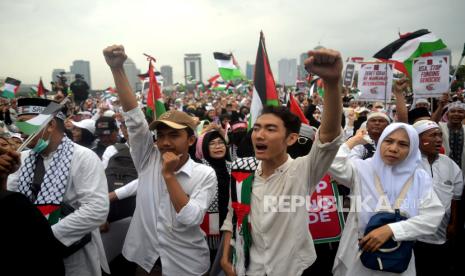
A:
x: 38, y: 36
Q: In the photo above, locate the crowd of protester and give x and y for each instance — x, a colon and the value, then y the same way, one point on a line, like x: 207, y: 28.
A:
x: 120, y: 193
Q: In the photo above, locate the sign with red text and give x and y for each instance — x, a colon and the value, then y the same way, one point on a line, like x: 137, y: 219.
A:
x: 326, y: 220
x: 430, y: 76
x: 375, y: 82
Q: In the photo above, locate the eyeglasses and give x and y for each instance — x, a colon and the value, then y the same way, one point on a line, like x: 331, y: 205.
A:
x: 216, y: 144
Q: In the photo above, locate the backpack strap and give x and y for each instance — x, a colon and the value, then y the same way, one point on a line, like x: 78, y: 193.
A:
x: 402, y: 194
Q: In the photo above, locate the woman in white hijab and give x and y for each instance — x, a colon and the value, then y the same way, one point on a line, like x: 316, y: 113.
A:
x: 396, y: 159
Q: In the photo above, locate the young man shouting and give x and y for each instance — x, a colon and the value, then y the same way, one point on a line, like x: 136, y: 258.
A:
x: 267, y: 239
x: 174, y: 192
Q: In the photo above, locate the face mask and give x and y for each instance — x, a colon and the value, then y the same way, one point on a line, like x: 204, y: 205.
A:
x: 41, y: 145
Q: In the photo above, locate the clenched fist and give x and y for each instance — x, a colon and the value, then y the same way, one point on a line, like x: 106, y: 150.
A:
x: 325, y: 63
x: 400, y: 86
x: 115, y: 56
x: 170, y: 162
x: 10, y: 161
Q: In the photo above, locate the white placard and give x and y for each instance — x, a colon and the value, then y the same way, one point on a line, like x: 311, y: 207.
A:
x: 430, y: 76
x: 375, y: 82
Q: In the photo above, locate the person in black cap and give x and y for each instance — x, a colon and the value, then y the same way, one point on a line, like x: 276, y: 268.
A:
x: 106, y: 130
x: 63, y: 180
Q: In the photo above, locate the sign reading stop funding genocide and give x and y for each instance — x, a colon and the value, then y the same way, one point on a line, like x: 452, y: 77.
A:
x: 375, y: 81
x: 430, y: 76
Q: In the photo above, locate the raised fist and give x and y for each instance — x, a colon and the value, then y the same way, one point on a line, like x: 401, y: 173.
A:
x: 115, y: 56
x: 325, y: 63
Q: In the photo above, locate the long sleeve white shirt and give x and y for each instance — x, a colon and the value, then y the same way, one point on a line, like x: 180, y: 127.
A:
x: 281, y: 241
x: 430, y: 213
x: 156, y: 229
x: 87, y: 193
x: 448, y: 185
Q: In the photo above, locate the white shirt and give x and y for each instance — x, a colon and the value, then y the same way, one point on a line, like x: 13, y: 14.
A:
x: 87, y: 192
x: 127, y: 190
x: 281, y: 241
x: 445, y: 141
x: 347, y: 262
x: 448, y: 185
x: 156, y: 229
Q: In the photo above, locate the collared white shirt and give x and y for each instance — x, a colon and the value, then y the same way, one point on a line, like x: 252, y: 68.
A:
x: 448, y: 185
x: 87, y: 193
x: 281, y: 241
x: 156, y: 229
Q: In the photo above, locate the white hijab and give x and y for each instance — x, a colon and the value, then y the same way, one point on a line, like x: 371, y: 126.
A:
x: 394, y: 177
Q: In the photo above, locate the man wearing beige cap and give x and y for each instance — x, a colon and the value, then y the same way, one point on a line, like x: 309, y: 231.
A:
x: 174, y: 192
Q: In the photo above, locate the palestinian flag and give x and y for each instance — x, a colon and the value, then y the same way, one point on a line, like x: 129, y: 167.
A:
x: 40, y: 90
x: 264, y: 90
x: 317, y: 87
x: 36, y: 124
x: 145, y: 76
x: 200, y: 86
x: 213, y: 79
x: 408, y: 47
x: 228, y: 68
x: 10, y: 88
x: 154, y: 98
x: 295, y: 108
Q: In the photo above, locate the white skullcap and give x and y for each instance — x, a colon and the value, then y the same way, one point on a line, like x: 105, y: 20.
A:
x: 424, y: 125
x: 378, y: 114
x: 108, y: 113
x: 419, y: 101
x: 455, y: 105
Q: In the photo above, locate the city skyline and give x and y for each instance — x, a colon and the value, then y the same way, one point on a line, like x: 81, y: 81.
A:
x: 355, y: 28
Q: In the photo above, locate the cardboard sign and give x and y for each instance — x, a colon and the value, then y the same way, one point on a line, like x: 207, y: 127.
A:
x: 430, y: 76
x: 375, y: 82
x: 326, y: 221
x: 349, y: 74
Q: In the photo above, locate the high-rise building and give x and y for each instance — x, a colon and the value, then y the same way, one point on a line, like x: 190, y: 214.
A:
x: 167, y: 73
x: 132, y: 73
x: 55, y: 73
x: 192, y: 67
x: 249, y: 70
x: 302, y: 73
x: 81, y: 67
x: 287, y: 71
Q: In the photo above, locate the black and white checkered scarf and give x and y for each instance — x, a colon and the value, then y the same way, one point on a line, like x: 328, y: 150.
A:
x: 56, y: 177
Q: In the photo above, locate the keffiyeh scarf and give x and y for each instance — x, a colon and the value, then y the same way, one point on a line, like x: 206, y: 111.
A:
x: 242, y: 174
x: 55, y: 180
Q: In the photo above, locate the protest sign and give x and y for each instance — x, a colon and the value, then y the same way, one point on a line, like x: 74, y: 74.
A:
x: 375, y: 82
x: 430, y: 76
x: 326, y: 221
x: 349, y: 74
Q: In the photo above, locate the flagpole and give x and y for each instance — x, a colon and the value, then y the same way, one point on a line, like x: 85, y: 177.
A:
x: 457, y: 69
x: 385, y: 86
x: 150, y: 59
